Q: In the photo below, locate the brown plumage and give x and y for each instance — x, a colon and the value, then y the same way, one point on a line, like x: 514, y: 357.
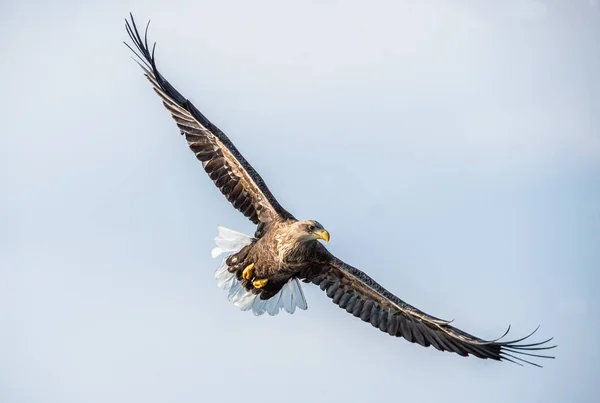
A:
x: 284, y: 249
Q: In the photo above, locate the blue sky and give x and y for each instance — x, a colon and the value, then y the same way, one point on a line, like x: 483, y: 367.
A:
x: 452, y: 149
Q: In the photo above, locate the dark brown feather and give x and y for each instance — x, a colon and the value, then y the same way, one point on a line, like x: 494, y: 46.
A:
x: 219, y: 157
x: 361, y: 296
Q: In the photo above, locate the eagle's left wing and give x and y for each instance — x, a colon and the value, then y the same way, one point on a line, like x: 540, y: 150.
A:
x: 360, y: 295
x: 228, y: 169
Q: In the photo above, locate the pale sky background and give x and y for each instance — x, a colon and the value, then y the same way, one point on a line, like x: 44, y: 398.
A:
x: 452, y: 149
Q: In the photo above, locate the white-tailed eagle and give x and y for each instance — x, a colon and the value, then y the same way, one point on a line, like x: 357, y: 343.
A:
x: 263, y: 273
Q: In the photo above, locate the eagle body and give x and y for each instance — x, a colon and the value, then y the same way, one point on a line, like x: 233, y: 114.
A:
x: 263, y: 273
x: 285, y: 249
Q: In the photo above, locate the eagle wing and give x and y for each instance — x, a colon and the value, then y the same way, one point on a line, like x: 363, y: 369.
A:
x: 228, y: 169
x: 363, y: 297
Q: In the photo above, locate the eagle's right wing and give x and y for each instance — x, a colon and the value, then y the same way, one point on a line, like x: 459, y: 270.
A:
x: 363, y: 297
x: 229, y: 170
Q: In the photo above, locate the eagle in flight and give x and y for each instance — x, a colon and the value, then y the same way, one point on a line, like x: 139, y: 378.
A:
x: 263, y: 273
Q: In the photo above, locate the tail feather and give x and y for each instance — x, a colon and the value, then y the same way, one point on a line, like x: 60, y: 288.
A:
x: 229, y: 240
x: 274, y: 304
x: 288, y: 298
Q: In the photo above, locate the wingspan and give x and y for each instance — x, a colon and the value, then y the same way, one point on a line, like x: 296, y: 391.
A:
x: 227, y: 168
x: 360, y: 295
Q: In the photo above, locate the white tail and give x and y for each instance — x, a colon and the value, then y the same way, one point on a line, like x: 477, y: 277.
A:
x: 289, y: 297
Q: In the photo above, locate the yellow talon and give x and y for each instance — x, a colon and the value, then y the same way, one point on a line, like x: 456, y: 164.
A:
x: 260, y: 283
x: 248, y: 272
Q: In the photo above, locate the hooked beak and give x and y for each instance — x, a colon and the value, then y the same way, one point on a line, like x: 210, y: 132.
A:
x: 322, y: 234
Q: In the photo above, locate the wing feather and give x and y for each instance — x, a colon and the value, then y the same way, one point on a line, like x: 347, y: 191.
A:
x: 363, y: 297
x: 228, y: 169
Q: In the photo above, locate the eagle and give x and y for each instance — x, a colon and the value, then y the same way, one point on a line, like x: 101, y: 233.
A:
x: 264, y: 272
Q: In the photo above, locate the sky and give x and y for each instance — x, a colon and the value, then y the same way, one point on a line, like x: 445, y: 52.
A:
x: 451, y: 148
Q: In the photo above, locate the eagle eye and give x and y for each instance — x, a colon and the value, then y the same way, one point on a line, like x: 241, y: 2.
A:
x: 311, y: 227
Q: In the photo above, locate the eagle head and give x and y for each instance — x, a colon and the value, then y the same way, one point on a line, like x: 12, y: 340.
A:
x: 311, y: 230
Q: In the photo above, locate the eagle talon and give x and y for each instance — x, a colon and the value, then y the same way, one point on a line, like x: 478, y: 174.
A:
x: 248, y: 272
x: 260, y: 283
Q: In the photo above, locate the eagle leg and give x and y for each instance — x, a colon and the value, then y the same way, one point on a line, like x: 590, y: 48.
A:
x: 260, y: 283
x: 248, y: 272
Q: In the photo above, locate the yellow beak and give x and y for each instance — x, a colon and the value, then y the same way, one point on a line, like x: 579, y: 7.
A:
x: 322, y: 234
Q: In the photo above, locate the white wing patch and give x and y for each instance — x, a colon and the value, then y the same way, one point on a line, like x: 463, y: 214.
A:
x: 288, y: 298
